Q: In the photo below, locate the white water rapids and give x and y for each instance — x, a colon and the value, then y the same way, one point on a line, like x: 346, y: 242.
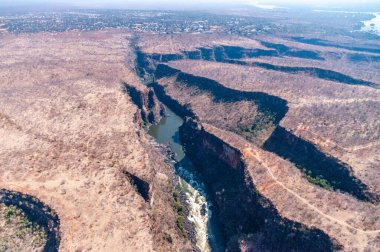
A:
x: 207, y: 234
x: 196, y: 201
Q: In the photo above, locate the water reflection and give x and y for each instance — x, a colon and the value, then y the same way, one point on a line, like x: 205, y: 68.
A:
x: 201, y: 208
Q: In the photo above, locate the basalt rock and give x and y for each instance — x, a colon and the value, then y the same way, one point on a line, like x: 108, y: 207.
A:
x: 242, y: 211
x: 151, y: 109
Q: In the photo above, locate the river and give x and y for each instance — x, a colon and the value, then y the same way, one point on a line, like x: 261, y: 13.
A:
x: 208, y: 237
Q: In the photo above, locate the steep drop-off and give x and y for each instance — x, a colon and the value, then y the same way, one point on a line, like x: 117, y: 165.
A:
x: 322, y: 42
x: 317, y: 72
x: 318, y: 167
x: 223, y: 172
x: 147, y: 63
x: 271, y: 106
x: 150, y: 108
x: 242, y: 210
x: 257, y: 222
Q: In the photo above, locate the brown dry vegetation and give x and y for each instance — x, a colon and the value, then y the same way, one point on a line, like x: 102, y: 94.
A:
x: 339, y: 63
x: 339, y: 119
x: 68, y: 132
x: 219, y: 113
x: 173, y: 44
x: 354, y: 224
x: 295, y: 198
x: 17, y: 233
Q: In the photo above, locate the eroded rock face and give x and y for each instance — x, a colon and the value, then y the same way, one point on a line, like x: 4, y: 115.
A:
x: 147, y: 63
x: 242, y: 211
x: 209, y: 93
x: 145, y: 99
x: 335, y: 174
x: 256, y: 116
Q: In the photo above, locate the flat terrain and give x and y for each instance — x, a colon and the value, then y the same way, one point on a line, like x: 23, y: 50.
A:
x: 69, y: 132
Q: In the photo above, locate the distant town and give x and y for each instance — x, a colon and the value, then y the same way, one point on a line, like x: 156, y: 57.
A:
x: 156, y: 22
x: 254, y: 22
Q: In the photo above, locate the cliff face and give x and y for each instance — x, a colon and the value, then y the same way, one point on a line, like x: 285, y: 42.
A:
x: 251, y: 114
x: 255, y: 116
x: 150, y: 108
x: 224, y: 152
x: 244, y: 214
x: 147, y: 63
x: 207, y: 101
x: 223, y: 52
x: 263, y: 198
x: 327, y: 170
x: 150, y: 111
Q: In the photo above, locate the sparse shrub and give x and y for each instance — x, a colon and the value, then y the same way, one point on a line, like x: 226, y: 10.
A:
x: 24, y: 229
x: 9, y: 213
x: 181, y: 225
x: 180, y: 209
x: 168, y: 238
x: 319, y: 181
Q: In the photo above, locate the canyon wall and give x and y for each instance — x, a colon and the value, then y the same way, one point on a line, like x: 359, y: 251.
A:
x: 244, y: 214
x: 145, y: 99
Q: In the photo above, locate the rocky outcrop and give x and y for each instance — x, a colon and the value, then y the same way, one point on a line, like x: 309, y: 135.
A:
x: 319, y: 168
x: 258, y: 222
x: 142, y: 187
x: 150, y: 108
x: 316, y: 165
x: 244, y: 214
x: 322, y: 42
x: 317, y: 72
x: 174, y: 105
x: 147, y: 63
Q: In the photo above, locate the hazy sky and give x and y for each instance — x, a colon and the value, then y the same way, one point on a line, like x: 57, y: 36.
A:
x: 188, y: 3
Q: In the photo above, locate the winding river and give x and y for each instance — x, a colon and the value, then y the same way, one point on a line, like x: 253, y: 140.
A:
x: 208, y: 236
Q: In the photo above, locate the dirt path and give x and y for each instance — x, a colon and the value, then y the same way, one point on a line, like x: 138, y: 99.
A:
x: 249, y: 153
